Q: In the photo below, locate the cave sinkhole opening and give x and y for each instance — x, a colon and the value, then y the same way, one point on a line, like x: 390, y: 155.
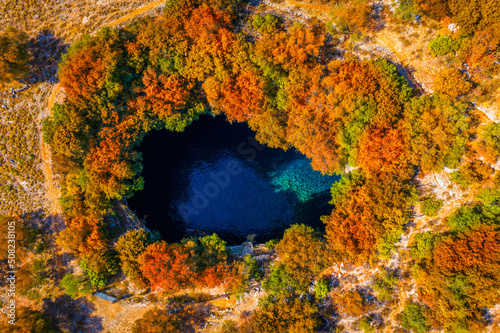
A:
x: 215, y: 177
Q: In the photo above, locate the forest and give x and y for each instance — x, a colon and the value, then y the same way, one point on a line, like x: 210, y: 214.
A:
x: 298, y: 86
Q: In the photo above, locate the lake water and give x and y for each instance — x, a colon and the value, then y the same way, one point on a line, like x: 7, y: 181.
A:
x: 215, y: 177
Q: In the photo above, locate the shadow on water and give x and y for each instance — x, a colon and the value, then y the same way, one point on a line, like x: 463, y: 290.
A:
x: 215, y: 177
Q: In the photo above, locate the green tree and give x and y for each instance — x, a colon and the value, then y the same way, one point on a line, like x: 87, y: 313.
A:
x: 412, y: 318
x: 490, y: 141
x: 129, y: 247
x: 73, y: 285
x: 279, y: 282
x: 430, y: 205
x: 98, y: 266
x: 322, y: 288
x: 303, y: 255
x: 211, y: 249
x: 385, y: 285
x: 442, y: 45
x: 252, y: 267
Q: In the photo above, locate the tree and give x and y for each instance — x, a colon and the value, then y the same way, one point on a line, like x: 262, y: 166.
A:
x: 452, y: 83
x: 457, y: 275
x: 442, y: 45
x: 129, y: 247
x: 156, y: 321
x: 240, y: 96
x: 98, y: 266
x: 114, y: 167
x: 412, y: 318
x: 303, y: 254
x: 28, y: 321
x: 480, y: 52
x: 14, y: 55
x: 385, y: 284
x: 279, y: 282
x: 167, y: 266
x: 73, y: 285
x: 167, y: 96
x: 352, y: 16
x: 322, y: 288
x: 490, y: 141
x: 83, y: 234
x: 292, y: 316
x: 473, y: 172
x: 368, y: 217
x: 351, y: 302
x: 383, y: 152
x: 437, y: 132
x: 430, y: 205
x: 209, y: 251
x: 465, y: 218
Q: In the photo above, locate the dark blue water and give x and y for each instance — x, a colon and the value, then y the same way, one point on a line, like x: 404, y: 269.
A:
x: 215, y: 177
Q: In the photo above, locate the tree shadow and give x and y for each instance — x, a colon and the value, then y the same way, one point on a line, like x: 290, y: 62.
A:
x: 73, y: 315
x: 46, y: 51
x: 378, y: 19
x: 195, y: 317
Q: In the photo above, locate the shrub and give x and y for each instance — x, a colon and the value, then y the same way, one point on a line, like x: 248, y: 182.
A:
x: 252, y: 268
x: 271, y: 244
x: 385, y: 284
x: 412, y: 318
x: 73, y: 285
x: 322, y: 288
x: 266, y: 24
x: 430, y: 205
x: 365, y: 325
x: 442, y: 45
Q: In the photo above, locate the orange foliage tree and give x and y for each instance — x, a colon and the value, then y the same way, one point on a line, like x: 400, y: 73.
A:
x: 452, y: 83
x: 83, y: 234
x: 167, y: 266
x: 383, y: 152
x: 368, y: 216
x: 460, y: 276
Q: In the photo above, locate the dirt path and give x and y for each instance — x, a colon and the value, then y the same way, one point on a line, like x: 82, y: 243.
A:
x: 137, y: 12
x: 53, y: 192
